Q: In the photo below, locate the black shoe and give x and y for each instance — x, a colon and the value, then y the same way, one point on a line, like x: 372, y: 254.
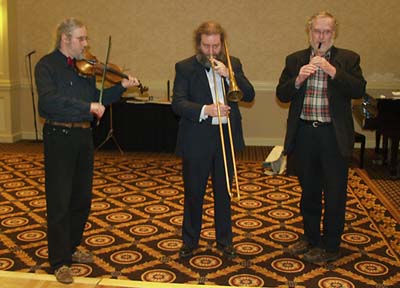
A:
x: 300, y: 247
x: 186, y: 251
x: 228, y: 250
x: 319, y: 255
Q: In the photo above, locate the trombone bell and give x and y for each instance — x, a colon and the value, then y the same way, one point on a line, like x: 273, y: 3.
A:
x: 234, y: 93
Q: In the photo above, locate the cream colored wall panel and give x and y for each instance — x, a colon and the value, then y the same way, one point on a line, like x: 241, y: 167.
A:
x: 3, y: 113
x: 149, y: 37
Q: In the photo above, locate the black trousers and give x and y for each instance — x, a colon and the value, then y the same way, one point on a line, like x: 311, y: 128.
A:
x: 196, y: 171
x: 68, y: 157
x: 322, y: 173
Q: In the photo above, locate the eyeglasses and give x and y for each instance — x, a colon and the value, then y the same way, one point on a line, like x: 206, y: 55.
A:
x: 322, y: 32
x: 82, y: 38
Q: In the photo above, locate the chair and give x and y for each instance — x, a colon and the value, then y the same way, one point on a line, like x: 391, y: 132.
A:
x: 360, y: 138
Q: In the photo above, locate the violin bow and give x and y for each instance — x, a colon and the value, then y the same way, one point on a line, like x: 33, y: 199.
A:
x: 104, y: 71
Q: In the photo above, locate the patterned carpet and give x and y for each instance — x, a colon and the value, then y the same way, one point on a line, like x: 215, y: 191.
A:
x: 134, y: 228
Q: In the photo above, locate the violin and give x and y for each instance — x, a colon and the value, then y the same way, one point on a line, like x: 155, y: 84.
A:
x: 90, y: 66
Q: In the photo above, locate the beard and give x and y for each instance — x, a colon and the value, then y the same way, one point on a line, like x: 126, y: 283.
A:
x: 204, y: 59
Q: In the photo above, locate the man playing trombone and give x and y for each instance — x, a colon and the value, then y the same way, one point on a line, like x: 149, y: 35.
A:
x: 209, y: 127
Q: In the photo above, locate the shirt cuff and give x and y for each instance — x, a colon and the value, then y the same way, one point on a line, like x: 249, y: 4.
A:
x: 202, y: 116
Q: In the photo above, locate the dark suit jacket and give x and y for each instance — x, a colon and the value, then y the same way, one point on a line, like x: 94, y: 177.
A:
x: 191, y: 91
x: 347, y: 84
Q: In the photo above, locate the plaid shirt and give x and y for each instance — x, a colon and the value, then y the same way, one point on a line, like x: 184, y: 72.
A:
x: 316, y: 104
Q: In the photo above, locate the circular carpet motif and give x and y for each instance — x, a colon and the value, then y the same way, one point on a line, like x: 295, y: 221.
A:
x: 24, y: 166
x: 209, y: 211
x: 42, y: 252
x: 205, y: 262
x: 275, y: 181
x: 6, y: 263
x: 113, y: 190
x: 250, y: 203
x: 174, y: 178
x: 127, y: 176
x: 109, y: 170
x: 81, y: 270
x: 371, y: 268
x: 98, y: 182
x: 155, y: 171
x: 126, y: 257
x: 143, y: 230
x: 100, y: 240
x: 6, y: 176
x: 167, y: 192
x: 246, y: 280
x: 333, y: 282
x: 250, y: 187
x: 248, y: 223
x: 146, y: 184
x: 156, y: 209
x: 119, y: 217
x: 13, y: 185
x: 248, y: 248
x: 14, y: 222
x: 287, y: 265
x: 350, y: 216
x: 208, y: 233
x: 34, y: 172
x: 31, y: 235
x: 356, y: 238
x: 38, y: 203
x: 158, y: 275
x: 280, y: 214
x: 100, y: 206
x: 283, y: 236
x: 5, y: 209
x: 134, y: 199
x: 176, y: 220
x: 250, y: 175
x: 170, y: 244
x: 277, y: 196
x: 27, y: 193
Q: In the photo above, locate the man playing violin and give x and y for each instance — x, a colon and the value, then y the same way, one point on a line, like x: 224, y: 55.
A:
x: 199, y: 140
x: 68, y: 102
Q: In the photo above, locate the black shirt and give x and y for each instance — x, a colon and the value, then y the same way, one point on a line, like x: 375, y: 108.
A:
x: 64, y: 95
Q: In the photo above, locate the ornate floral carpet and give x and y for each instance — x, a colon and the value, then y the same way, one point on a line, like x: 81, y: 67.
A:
x: 134, y: 228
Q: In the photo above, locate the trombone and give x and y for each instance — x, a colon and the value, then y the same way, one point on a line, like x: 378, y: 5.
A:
x: 235, y: 95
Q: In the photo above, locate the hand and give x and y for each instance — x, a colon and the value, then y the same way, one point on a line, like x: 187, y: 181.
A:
x: 97, y: 109
x: 305, y: 72
x: 130, y: 82
x: 212, y: 110
x: 220, y: 68
x: 322, y: 63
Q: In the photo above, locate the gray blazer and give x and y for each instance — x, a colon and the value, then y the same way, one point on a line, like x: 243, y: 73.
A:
x: 348, y: 84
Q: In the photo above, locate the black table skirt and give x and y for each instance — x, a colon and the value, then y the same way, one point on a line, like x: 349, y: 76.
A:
x: 138, y: 127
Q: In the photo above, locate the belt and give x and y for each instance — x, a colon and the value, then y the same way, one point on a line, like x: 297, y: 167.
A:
x: 83, y: 125
x: 315, y: 123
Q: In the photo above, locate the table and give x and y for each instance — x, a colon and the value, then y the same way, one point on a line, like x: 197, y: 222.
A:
x: 138, y: 126
x: 380, y: 111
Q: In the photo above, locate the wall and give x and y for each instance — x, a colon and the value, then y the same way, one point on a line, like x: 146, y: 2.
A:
x: 149, y: 37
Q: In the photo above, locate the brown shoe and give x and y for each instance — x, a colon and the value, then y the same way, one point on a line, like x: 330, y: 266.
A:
x: 82, y: 257
x: 64, y: 275
x: 300, y: 247
x: 319, y: 255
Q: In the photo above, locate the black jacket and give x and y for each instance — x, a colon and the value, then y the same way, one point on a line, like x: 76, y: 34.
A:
x: 191, y: 91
